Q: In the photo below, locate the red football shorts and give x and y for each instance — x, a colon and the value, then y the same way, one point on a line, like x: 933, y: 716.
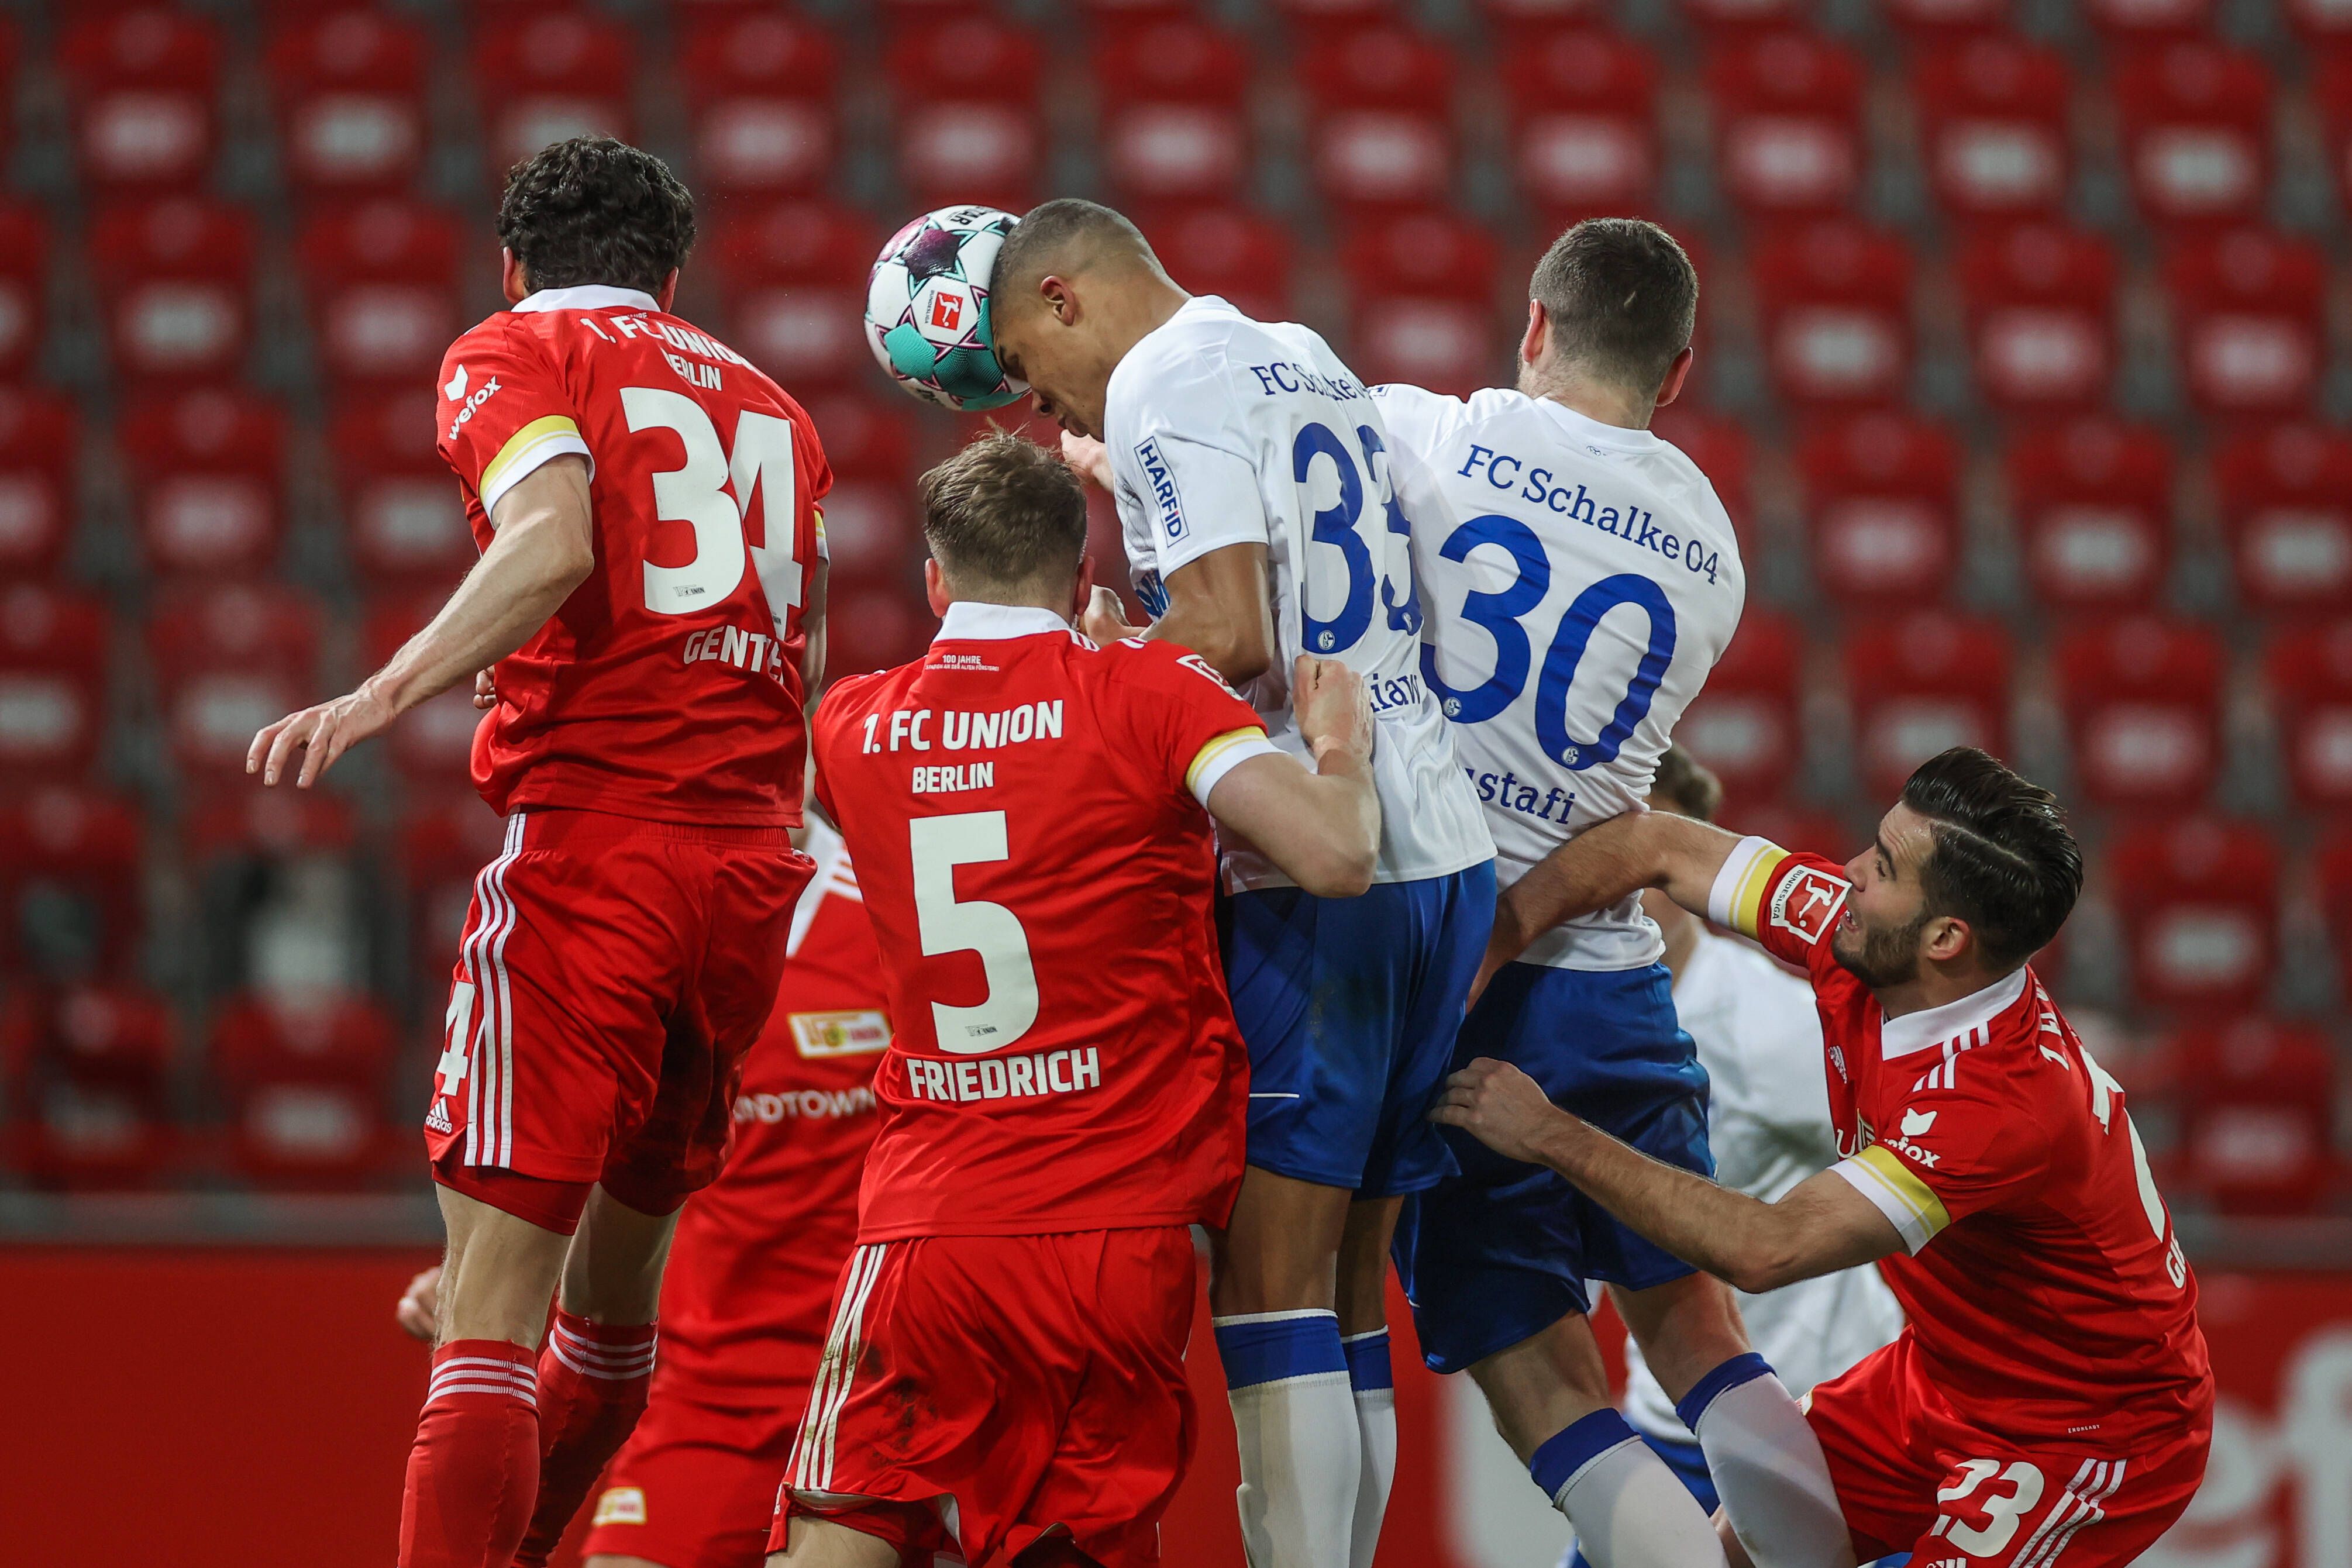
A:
x: 612, y: 976
x: 979, y: 1391
x: 695, y: 1487
x: 1912, y: 1476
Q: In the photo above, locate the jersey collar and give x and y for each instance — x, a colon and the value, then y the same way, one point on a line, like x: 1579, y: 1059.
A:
x: 1917, y: 1031
x: 588, y: 296
x: 970, y: 620
x: 1593, y: 433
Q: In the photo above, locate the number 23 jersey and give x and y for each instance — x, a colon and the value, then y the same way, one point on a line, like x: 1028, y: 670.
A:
x: 667, y: 686
x: 2047, y: 1295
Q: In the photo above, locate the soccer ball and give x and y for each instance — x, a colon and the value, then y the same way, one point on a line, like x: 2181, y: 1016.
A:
x: 927, y: 308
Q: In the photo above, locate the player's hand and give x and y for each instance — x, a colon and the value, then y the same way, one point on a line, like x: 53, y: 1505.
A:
x: 1088, y: 457
x: 420, y: 1305
x: 1334, y: 710
x: 320, y: 734
x: 1500, y: 1106
x: 1105, y: 621
x: 486, y: 688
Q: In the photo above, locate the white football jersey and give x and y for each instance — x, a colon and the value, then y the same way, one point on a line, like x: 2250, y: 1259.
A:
x: 1582, y: 580
x: 1768, y: 1123
x: 1225, y: 431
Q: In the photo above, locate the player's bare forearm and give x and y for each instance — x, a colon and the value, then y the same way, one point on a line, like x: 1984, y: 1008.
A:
x: 1600, y: 866
x: 1219, y: 607
x: 1322, y: 828
x: 1819, y: 1228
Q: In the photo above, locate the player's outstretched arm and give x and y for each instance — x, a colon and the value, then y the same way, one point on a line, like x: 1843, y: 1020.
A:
x: 544, y: 547
x: 1218, y: 606
x: 1821, y: 1227
x: 1323, y: 827
x: 1601, y: 865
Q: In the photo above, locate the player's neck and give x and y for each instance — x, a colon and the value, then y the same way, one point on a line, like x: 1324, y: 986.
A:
x: 1602, y: 404
x: 1136, y: 313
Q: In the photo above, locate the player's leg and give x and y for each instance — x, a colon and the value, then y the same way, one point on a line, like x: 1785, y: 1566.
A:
x: 1765, y: 1460
x: 1372, y: 1377
x: 473, y: 1470
x: 817, y: 1543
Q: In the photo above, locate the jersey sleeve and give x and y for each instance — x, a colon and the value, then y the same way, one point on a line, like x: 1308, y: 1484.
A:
x: 1787, y: 903
x: 1953, y: 1152
x: 504, y: 412
x: 1187, y: 724
x: 1197, y: 497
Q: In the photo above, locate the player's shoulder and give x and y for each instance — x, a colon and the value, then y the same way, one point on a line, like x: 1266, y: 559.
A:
x: 1154, y: 662
x: 497, y: 337
x: 1419, y: 416
x: 850, y: 698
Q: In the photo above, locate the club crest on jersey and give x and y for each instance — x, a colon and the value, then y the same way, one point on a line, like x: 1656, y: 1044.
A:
x: 1807, y: 901
x: 1162, y: 480
x: 619, y: 1505
x: 819, y: 1035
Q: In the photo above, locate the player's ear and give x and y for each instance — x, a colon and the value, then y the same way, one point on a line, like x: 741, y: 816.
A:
x: 668, y: 291
x: 1946, y: 939
x: 1059, y: 299
x: 935, y: 587
x: 1538, y: 335
x: 1676, y: 374
x: 511, y: 280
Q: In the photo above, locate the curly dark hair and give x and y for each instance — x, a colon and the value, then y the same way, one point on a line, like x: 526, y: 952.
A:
x: 593, y: 210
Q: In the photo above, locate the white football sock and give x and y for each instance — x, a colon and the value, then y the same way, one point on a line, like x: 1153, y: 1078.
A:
x: 1629, y: 1509
x: 1295, y: 1424
x: 1767, y: 1467
x: 1373, y: 1381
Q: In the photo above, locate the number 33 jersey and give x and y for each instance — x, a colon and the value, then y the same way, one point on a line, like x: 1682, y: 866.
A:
x: 669, y: 686
x: 2047, y: 1295
x: 1581, y: 580
x: 1225, y: 431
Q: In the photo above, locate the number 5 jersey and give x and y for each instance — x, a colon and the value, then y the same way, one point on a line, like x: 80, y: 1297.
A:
x: 669, y: 686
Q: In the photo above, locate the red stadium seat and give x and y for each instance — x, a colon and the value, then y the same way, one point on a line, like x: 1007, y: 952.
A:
x: 875, y: 628
x: 1883, y: 492
x: 92, y: 1069
x: 2334, y: 865
x: 24, y: 287
x: 2133, y: 22
x: 53, y: 662
x: 305, y: 1087
x: 1715, y: 20
x: 446, y: 839
x: 350, y: 88
x: 795, y: 279
x: 2093, y: 498
x: 1747, y: 724
x: 1175, y: 120
x: 2331, y: 94
x: 1232, y: 252
x: 228, y: 819
x: 143, y: 85
x: 1424, y: 292
x: 1787, y: 124
x: 1993, y: 119
x: 405, y: 522
x: 382, y: 285
x: 208, y: 468
x: 869, y: 518
x: 433, y: 742
x: 40, y: 457
x: 176, y: 278
x: 1836, y: 301
x: 2249, y: 317
x: 1921, y: 684
x: 2143, y: 702
x: 2309, y: 675
x: 1311, y: 20
x: 2285, y: 498
x: 1724, y: 452
x: 1942, y: 24
x: 2199, y: 901
x: 763, y: 110
x: 1584, y: 123
x: 541, y: 78
x: 1518, y: 24
x: 2041, y: 310
x: 1381, y: 128
x: 2326, y: 24
x: 228, y: 660
x: 969, y: 126
x: 2258, y: 1104
x: 2197, y: 132
x: 73, y: 876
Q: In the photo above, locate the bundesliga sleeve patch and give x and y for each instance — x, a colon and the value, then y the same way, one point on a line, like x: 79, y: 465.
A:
x: 1806, y: 901
x: 1160, y: 481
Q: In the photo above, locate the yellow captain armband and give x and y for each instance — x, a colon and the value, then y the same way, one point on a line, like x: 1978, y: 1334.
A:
x: 550, y: 436
x: 1895, y: 1191
x: 1221, y: 755
x: 1737, y: 899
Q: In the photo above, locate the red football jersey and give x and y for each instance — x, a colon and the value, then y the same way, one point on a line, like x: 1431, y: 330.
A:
x: 669, y: 686
x: 749, y: 1290
x: 2047, y: 1295
x: 1026, y: 811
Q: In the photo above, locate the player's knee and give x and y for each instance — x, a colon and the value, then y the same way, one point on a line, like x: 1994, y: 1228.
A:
x: 1686, y: 1328
x: 1544, y: 1383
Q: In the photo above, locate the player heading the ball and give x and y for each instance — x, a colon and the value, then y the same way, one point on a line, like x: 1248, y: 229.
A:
x: 1063, y: 1094
x: 1252, y: 472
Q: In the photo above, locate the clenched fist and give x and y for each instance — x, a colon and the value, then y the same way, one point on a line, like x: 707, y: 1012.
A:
x: 1501, y: 1107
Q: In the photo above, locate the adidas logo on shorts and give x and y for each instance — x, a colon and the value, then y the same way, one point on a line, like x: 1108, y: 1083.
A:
x: 437, y: 1118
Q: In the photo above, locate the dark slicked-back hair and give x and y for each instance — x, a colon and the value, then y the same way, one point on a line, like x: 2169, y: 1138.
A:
x: 1053, y: 231
x: 593, y: 210
x: 2004, y: 861
x: 1687, y: 785
x: 1005, y: 513
x: 1622, y: 298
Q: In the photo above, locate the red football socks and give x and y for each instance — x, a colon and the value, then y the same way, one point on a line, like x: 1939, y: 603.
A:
x: 473, y: 1471
x: 592, y: 1388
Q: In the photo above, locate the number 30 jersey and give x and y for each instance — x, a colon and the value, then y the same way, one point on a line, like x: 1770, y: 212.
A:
x: 1581, y: 580
x: 1026, y: 814
x: 669, y: 686
x: 1225, y: 431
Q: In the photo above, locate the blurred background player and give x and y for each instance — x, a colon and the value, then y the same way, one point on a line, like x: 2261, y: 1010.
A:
x: 2049, y: 1399
x: 1063, y: 1097
x: 1582, y: 579
x: 646, y: 750
x: 1252, y: 475
x: 752, y: 1267
x: 1768, y: 1126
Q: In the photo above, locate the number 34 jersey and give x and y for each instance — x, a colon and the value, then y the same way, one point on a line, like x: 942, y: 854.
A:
x: 669, y: 686
x: 2047, y: 1295
x: 1581, y: 580
x: 1225, y: 431
x: 1026, y: 814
